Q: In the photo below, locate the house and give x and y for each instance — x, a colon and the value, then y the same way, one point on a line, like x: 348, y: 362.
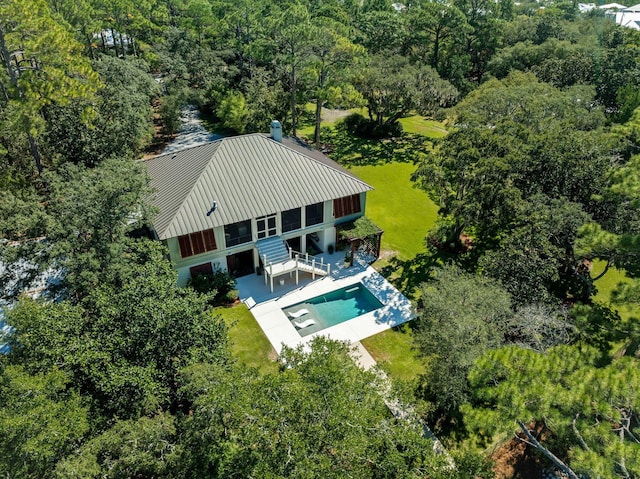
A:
x: 628, y: 17
x: 609, y: 8
x: 233, y: 203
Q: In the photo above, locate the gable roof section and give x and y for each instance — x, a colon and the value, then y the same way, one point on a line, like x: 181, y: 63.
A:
x: 248, y: 176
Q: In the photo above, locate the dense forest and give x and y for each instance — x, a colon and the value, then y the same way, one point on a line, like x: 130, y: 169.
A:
x: 115, y: 372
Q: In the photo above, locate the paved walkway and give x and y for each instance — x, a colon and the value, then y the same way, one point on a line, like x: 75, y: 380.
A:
x: 191, y: 133
x: 404, y: 412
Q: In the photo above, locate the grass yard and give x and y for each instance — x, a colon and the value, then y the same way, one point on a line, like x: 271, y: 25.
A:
x: 607, y: 284
x: 420, y: 125
x: 394, y: 351
x: 404, y: 213
x: 249, y: 345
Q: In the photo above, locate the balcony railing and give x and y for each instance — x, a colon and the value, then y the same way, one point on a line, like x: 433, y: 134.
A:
x: 236, y: 240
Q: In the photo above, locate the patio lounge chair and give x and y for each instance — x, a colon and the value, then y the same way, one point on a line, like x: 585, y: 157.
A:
x: 304, y: 324
x: 297, y: 314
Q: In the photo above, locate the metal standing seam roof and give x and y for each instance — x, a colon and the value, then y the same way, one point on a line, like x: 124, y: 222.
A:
x: 248, y: 176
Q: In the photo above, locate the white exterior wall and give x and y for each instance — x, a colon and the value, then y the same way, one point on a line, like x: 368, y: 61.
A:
x: 217, y: 258
x: 326, y: 232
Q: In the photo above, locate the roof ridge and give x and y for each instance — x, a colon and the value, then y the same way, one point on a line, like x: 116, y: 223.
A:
x: 344, y: 173
x: 173, y: 153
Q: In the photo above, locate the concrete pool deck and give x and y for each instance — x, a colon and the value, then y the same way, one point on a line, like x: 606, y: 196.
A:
x: 280, y: 332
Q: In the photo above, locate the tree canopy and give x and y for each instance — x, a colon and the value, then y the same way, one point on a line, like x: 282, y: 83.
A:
x: 115, y: 372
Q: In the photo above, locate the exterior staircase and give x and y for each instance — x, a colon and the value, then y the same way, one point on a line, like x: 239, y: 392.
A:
x: 278, y: 259
x: 273, y: 249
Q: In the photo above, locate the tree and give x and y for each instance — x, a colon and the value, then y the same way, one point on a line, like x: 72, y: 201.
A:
x: 81, y: 230
x: 525, y: 169
x: 125, y: 343
x: 82, y: 16
x: 333, y: 52
x: 588, y: 410
x: 540, y: 327
x: 42, y: 65
x: 123, y: 123
x: 266, y: 99
x: 41, y: 420
x: 467, y: 175
x: 320, y: 416
x: 436, y: 36
x: 380, y: 31
x: 233, y: 112
x: 393, y: 88
x: 484, y: 19
x: 146, y: 447
x: 293, y: 34
x: 535, y: 258
x: 462, y: 317
x: 618, y: 68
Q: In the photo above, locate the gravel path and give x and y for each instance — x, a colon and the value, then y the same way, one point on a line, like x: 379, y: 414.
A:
x: 192, y: 132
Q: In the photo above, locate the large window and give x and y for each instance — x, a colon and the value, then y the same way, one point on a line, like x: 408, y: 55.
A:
x: 314, y: 214
x: 196, y: 243
x: 237, y: 233
x: 266, y: 226
x: 291, y: 220
x: 205, y: 269
x: 346, y: 206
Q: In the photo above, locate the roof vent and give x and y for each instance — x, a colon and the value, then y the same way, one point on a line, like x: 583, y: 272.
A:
x: 214, y: 206
x: 276, y: 131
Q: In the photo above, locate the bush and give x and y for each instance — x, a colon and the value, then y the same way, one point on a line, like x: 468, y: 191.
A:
x: 354, y: 122
x: 231, y: 296
x: 233, y: 112
x: 358, y: 125
x: 219, y: 283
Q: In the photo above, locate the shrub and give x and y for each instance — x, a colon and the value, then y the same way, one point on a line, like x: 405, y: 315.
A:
x: 231, y: 296
x: 219, y: 283
x: 358, y: 125
x: 233, y: 112
x: 354, y: 122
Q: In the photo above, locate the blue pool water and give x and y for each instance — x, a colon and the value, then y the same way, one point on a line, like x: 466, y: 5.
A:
x: 333, y: 308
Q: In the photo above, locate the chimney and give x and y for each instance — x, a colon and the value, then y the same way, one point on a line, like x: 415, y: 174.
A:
x: 276, y: 131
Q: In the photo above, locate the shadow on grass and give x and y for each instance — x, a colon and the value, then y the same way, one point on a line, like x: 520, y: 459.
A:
x: 350, y: 150
x: 407, y: 275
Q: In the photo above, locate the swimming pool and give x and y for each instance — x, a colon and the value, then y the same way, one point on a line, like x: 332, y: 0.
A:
x: 332, y: 308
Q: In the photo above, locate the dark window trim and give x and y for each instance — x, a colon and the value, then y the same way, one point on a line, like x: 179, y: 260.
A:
x: 347, y: 205
x: 197, y: 243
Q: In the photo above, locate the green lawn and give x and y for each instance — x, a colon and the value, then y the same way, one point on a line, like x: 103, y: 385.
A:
x: 404, y: 213
x: 422, y: 126
x: 249, y: 345
x: 394, y: 350
x: 607, y: 284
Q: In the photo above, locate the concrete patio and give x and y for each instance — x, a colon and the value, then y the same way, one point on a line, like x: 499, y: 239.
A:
x: 277, y: 327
